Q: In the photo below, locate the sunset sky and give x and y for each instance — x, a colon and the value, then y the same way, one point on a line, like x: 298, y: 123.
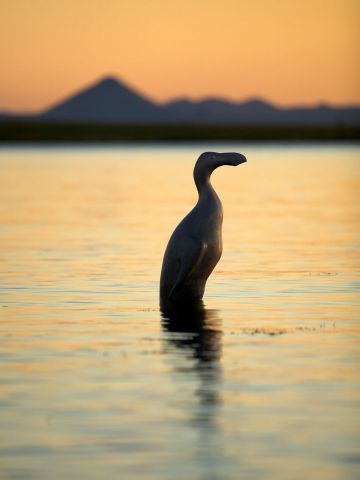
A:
x: 286, y: 51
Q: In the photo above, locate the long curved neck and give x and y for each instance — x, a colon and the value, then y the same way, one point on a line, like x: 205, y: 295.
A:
x: 202, y: 175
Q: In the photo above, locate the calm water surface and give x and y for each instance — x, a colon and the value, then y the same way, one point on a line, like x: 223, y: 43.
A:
x: 97, y: 384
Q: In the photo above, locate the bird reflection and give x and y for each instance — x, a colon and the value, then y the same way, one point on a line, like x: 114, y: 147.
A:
x: 196, y: 331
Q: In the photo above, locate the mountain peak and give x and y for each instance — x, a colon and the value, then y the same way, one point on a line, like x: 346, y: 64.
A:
x: 107, y: 100
x: 109, y: 81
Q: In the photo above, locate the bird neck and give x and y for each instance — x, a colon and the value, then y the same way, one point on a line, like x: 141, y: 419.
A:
x: 203, y: 184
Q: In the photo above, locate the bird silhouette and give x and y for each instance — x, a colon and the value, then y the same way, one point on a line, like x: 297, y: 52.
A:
x: 195, y: 247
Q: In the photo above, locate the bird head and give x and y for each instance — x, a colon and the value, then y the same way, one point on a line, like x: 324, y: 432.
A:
x: 208, y: 161
x: 214, y: 160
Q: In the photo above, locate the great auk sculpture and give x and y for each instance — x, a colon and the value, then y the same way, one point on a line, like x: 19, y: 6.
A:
x: 195, y: 247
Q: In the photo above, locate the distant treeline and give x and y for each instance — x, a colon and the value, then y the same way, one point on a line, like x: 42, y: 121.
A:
x: 23, y: 131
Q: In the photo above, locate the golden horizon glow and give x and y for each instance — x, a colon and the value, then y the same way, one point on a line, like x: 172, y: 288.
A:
x: 286, y: 52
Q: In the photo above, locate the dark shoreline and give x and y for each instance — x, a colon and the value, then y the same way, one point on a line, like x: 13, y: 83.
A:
x: 23, y: 131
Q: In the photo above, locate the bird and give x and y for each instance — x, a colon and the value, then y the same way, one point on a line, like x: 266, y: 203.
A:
x: 195, y: 247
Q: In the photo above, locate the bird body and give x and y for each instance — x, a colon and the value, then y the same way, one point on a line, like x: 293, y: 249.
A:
x: 195, y: 247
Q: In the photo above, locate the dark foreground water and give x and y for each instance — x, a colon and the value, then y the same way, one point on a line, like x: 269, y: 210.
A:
x: 263, y: 383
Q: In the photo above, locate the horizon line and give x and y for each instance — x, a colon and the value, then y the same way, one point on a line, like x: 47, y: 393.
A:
x: 209, y: 97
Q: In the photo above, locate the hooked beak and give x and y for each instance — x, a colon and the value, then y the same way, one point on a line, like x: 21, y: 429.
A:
x: 232, y: 158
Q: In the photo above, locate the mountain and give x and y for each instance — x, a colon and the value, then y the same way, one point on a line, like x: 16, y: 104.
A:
x: 214, y: 110
x: 260, y: 113
x: 107, y: 101
x: 112, y: 101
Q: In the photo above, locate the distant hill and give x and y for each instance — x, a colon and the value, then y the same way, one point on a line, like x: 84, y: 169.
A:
x: 107, y: 101
x: 111, y: 101
x: 260, y: 113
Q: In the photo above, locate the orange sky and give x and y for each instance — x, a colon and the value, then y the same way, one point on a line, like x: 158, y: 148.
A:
x: 287, y: 51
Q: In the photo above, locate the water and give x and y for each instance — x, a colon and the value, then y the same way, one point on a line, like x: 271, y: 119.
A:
x: 95, y: 384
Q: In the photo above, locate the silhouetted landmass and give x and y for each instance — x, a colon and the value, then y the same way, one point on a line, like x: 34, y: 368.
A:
x: 110, y: 110
x: 106, y: 101
x: 260, y: 113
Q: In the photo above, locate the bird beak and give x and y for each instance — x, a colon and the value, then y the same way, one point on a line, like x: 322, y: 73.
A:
x: 232, y: 158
